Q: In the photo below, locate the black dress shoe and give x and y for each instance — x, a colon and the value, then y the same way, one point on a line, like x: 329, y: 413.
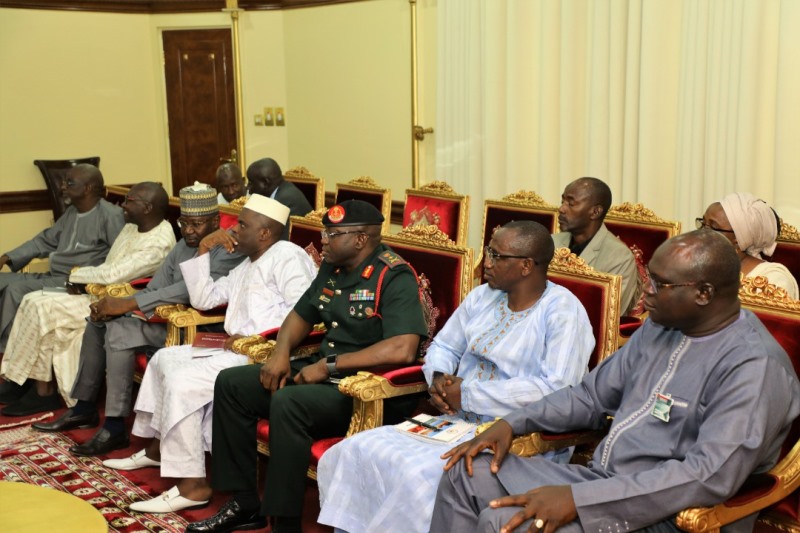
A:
x: 102, y: 443
x: 32, y: 403
x: 69, y: 420
x: 10, y: 392
x: 230, y: 517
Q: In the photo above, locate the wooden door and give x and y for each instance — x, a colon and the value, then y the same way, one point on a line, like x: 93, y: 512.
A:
x: 198, y: 66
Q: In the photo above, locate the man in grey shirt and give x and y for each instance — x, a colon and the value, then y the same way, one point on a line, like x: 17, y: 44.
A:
x: 81, y: 237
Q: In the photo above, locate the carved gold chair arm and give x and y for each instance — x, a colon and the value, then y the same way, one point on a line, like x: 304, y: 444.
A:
x: 538, y: 443
x: 115, y: 290
x: 782, y: 480
x: 245, y: 345
x: 187, y: 320
x: 368, y: 391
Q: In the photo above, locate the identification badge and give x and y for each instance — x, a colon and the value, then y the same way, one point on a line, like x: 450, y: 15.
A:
x: 662, y: 407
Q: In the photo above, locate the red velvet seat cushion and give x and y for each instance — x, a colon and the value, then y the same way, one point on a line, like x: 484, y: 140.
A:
x: 140, y: 365
x: 438, y: 212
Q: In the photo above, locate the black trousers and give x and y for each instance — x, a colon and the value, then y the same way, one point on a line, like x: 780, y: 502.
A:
x: 298, y: 415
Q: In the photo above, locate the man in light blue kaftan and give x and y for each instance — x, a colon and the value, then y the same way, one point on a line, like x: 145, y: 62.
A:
x: 382, y: 480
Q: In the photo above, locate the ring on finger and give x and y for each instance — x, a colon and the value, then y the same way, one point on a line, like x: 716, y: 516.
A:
x: 539, y: 523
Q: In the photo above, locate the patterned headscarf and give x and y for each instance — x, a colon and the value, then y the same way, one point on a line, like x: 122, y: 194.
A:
x: 753, y: 223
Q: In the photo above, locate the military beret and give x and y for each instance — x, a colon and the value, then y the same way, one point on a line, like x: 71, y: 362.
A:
x: 352, y: 213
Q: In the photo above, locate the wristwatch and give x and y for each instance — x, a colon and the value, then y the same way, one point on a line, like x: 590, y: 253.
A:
x: 330, y: 362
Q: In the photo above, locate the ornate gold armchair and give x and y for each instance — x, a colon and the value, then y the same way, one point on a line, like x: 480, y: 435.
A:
x: 365, y: 188
x: 312, y: 187
x: 437, y: 204
x: 445, y: 269
x: 643, y: 231
x: 522, y: 205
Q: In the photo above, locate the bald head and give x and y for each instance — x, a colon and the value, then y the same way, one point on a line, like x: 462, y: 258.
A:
x: 531, y: 239
x: 90, y: 176
x: 155, y: 194
x: 599, y: 192
x: 705, y: 256
x: 265, y: 176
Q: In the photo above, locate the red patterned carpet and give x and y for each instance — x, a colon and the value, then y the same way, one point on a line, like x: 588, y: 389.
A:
x: 43, y: 459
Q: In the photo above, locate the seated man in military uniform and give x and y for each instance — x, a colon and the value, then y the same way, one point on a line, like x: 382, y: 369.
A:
x: 368, y: 298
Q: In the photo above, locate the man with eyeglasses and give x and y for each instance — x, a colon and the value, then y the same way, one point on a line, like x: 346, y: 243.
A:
x: 701, y: 397
x: 117, y: 327
x: 584, y: 204
x: 368, y: 298
x: 82, y: 236
x: 43, y: 342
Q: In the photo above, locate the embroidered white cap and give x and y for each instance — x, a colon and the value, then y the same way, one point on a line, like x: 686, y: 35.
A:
x: 268, y: 207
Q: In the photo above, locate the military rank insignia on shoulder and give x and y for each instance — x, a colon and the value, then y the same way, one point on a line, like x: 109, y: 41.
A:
x: 391, y: 259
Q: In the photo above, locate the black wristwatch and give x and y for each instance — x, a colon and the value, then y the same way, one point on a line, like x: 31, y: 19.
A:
x: 330, y: 362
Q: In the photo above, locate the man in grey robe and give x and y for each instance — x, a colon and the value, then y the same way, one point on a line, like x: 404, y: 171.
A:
x: 702, y: 396
x: 81, y: 237
x: 584, y: 205
x: 113, y: 335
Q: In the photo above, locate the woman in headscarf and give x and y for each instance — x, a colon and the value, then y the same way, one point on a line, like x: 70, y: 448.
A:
x: 752, y: 227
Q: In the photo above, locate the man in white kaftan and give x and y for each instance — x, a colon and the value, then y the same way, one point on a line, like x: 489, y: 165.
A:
x: 174, y: 404
x: 46, y: 336
x: 382, y: 480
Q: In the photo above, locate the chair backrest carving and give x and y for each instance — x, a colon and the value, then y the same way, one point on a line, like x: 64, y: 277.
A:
x: 440, y: 262
x: 599, y: 293
x: 787, y: 251
x: 312, y: 187
x: 522, y: 205
x: 637, y: 225
x: 54, y: 171
x: 365, y: 188
x: 305, y: 232
x: 437, y: 204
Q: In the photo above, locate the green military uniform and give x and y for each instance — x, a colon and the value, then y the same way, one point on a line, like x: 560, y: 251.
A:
x: 346, y: 303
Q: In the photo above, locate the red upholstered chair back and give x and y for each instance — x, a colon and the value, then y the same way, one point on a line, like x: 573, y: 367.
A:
x: 305, y: 232
x: 437, y: 204
x: 598, y: 292
x: 365, y: 189
x: 636, y: 225
x: 522, y: 205
x: 788, y: 249
x: 229, y: 214
x: 54, y: 172
x: 312, y: 187
x: 446, y: 266
x: 781, y: 316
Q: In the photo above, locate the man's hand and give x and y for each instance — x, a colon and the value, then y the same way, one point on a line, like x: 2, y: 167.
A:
x: 4, y: 259
x: 497, y: 438
x: 445, y: 391
x: 275, y: 372
x: 553, y: 505
x: 107, y: 308
x: 230, y: 340
x: 316, y: 373
x: 217, y: 238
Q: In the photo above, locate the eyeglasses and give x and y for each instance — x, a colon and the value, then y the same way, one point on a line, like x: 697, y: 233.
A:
x: 329, y: 235
x: 655, y: 285
x: 493, y: 256
x: 193, y: 224
x: 129, y: 199
x: 701, y: 223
